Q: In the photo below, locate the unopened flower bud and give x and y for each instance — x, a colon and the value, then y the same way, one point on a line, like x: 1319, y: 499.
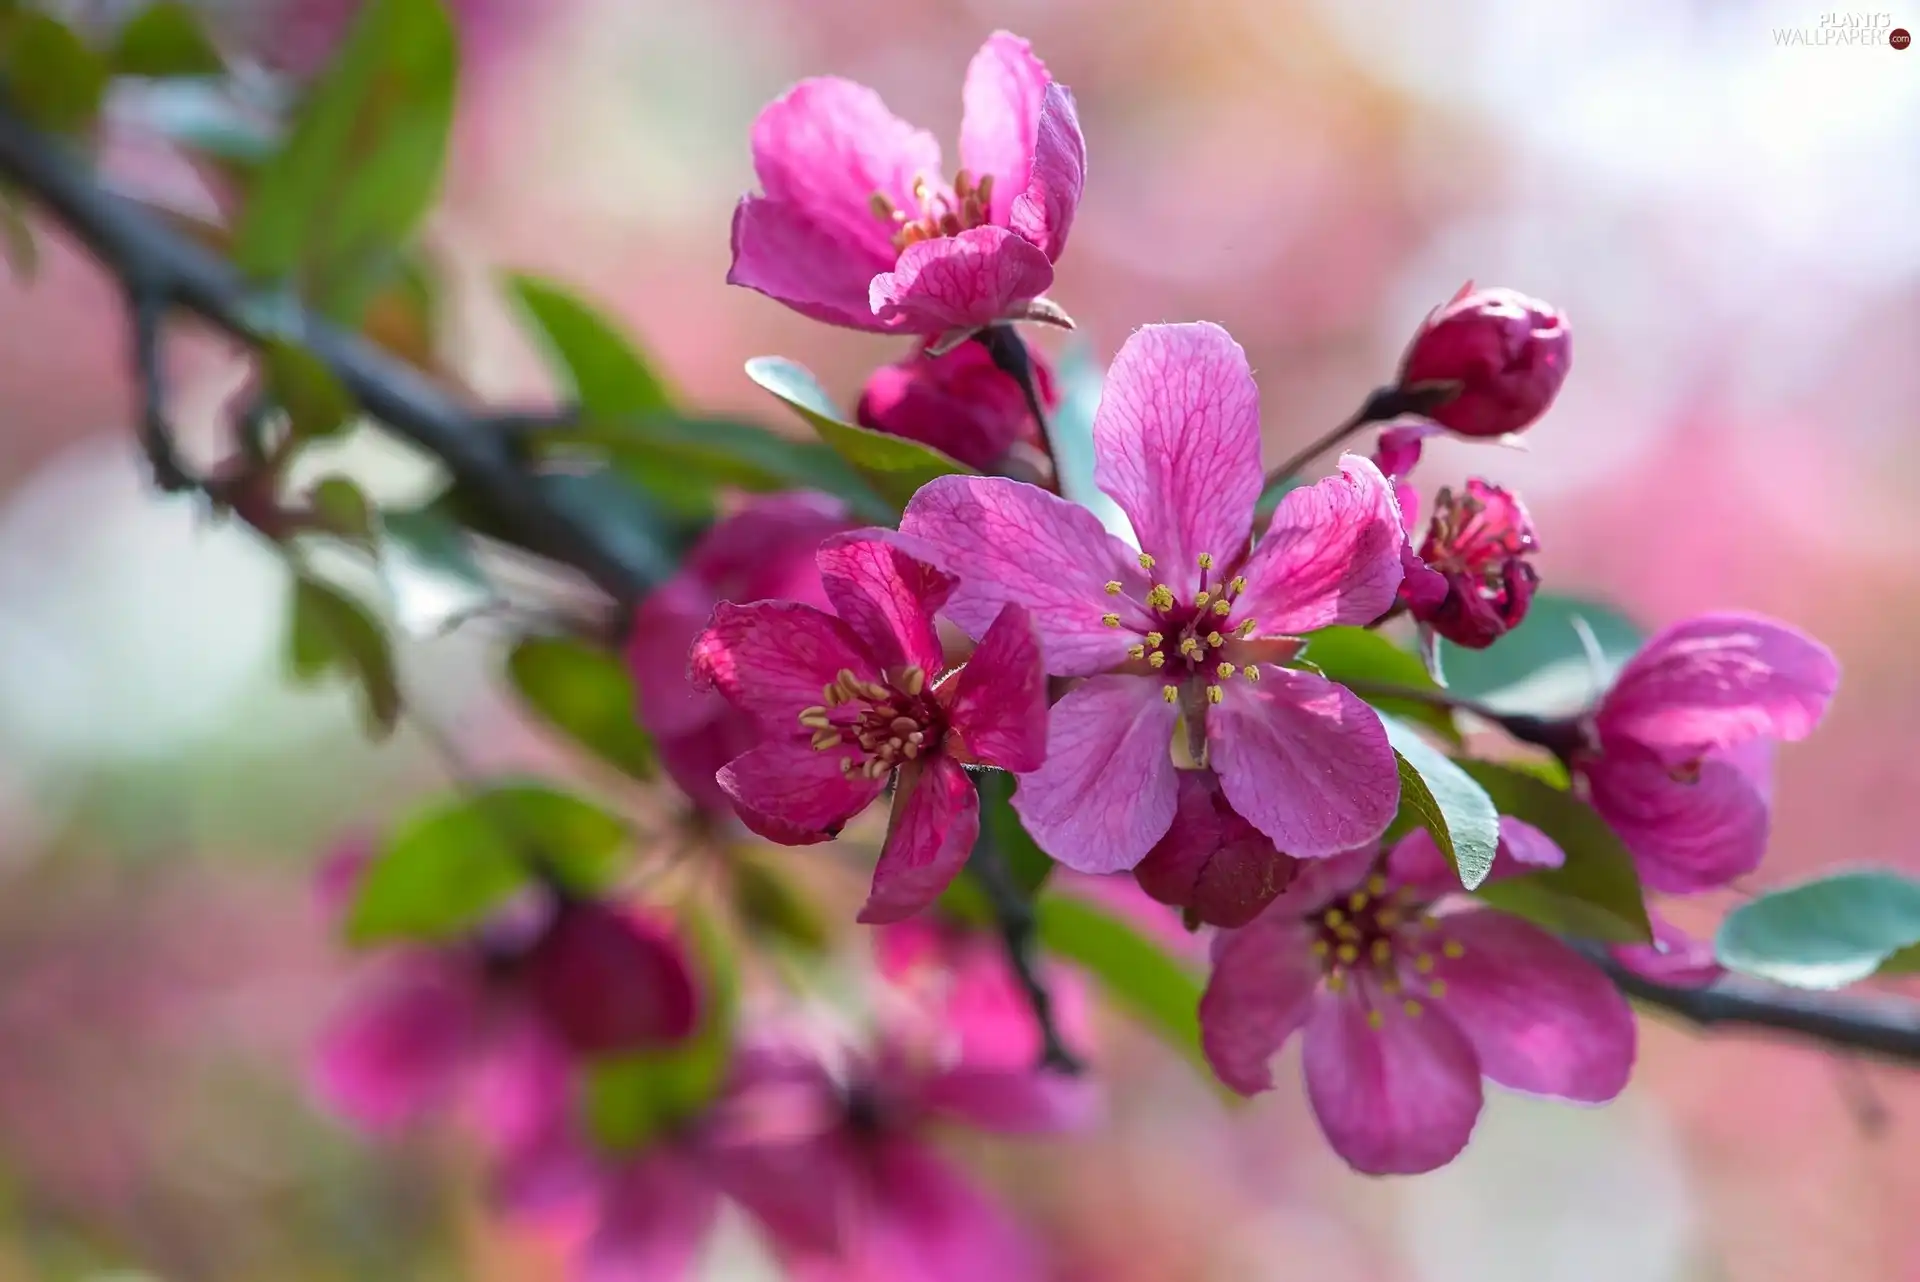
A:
x: 1473, y: 583
x: 1212, y: 862
x: 610, y: 980
x: 960, y: 403
x: 1506, y: 354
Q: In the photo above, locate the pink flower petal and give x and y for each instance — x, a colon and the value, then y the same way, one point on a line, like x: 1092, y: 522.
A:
x: 1331, y: 555
x: 1002, y: 99
x: 1108, y: 789
x: 1043, y: 213
x: 960, y: 282
x: 1321, y: 881
x: 399, y: 1049
x: 1541, y: 1017
x: 935, y: 820
x: 1177, y: 445
x: 1399, y: 1099
x: 1212, y: 862
x: 778, y: 251
x: 1685, y: 836
x: 612, y: 980
x: 694, y: 760
x: 1015, y: 543
x: 885, y: 596
x: 1416, y: 860
x: 1260, y: 993
x: 773, y: 658
x: 1719, y: 680
x: 1674, y: 956
x: 1306, y: 761
x: 654, y: 1218
x: 961, y: 403
x: 788, y: 792
x: 999, y: 708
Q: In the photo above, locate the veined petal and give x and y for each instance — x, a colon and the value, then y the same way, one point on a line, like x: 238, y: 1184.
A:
x: 788, y: 792
x: 1260, y: 993
x: 1686, y: 834
x: 1043, y: 213
x: 1015, y: 543
x: 779, y: 252
x: 1719, y: 680
x: 773, y: 658
x: 1212, y: 862
x: 1541, y: 1017
x: 886, y: 596
x: 999, y: 708
x: 1177, y: 445
x: 1002, y: 100
x: 935, y: 820
x: 654, y: 1216
x: 1306, y: 761
x: 1108, y: 789
x: 962, y: 282
x: 1331, y: 555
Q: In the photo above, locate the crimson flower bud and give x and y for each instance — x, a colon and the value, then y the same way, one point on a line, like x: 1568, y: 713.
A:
x: 1506, y: 353
x: 1474, y: 584
x: 960, y: 403
x: 609, y: 980
x: 1212, y: 862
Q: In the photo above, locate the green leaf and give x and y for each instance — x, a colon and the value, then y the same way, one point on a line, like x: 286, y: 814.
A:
x: 428, y: 566
x: 316, y: 402
x: 363, y: 162
x: 601, y: 363
x: 332, y: 632
x: 345, y: 510
x: 1269, y: 500
x: 1137, y: 974
x: 1029, y: 865
x: 446, y: 868
x: 52, y: 75
x: 770, y: 905
x: 587, y: 694
x: 16, y: 236
x: 1357, y: 654
x: 1596, y: 894
x: 896, y: 466
x: 1441, y: 797
x: 165, y: 39
x: 1542, y: 667
x: 1825, y: 933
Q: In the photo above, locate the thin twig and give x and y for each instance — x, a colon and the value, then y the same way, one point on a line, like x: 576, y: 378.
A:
x: 1011, y: 357
x: 1383, y: 405
x: 1013, y: 918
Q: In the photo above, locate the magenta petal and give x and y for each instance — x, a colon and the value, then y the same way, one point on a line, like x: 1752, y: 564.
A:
x: 1108, y: 789
x: 694, y: 760
x: 999, y: 708
x: 1399, y: 1099
x: 1212, y: 862
x: 960, y: 282
x: 788, y: 792
x: 400, y: 1048
x: 1260, y: 993
x: 1674, y: 957
x: 1685, y: 836
x: 654, y: 1218
x: 935, y: 820
x: 773, y: 658
x: 612, y: 980
x: 1541, y: 1017
x: 1306, y: 761
x: 1015, y: 543
x: 923, y: 1221
x: 886, y: 596
x: 1331, y: 555
x: 1002, y: 99
x: 1719, y: 680
x: 1177, y: 445
x: 1043, y: 213
x: 779, y: 252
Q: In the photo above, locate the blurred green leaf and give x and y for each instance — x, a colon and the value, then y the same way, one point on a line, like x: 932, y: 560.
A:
x: 1079, y: 380
x: 1269, y: 500
x: 1596, y: 894
x: 586, y: 693
x: 1542, y: 667
x: 332, y: 632
x: 1029, y: 865
x: 1136, y: 973
x: 316, y: 402
x: 165, y: 39
x: 770, y: 905
x: 601, y: 362
x: 16, y: 236
x: 1441, y: 797
x: 894, y: 465
x: 363, y: 162
x: 52, y: 74
x: 450, y: 865
x: 1828, y: 932
x: 340, y: 504
x: 430, y: 572
x: 403, y: 313
x: 1357, y: 654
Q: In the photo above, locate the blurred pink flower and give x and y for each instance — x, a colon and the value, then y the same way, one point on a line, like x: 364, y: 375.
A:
x: 1674, y: 957
x: 1402, y: 1010
x: 857, y: 228
x: 1678, y: 760
x: 1507, y: 352
x: 960, y: 403
x: 609, y: 980
x: 299, y: 36
x: 763, y: 551
x: 1161, y: 633
x: 1212, y: 862
x: 845, y: 700
x: 1473, y: 582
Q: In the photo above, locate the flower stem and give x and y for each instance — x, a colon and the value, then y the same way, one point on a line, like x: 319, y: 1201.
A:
x: 1419, y: 694
x: 1010, y: 356
x: 1013, y: 915
x: 1382, y: 405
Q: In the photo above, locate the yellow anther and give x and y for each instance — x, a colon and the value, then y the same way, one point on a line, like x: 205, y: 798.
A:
x: 1190, y: 647
x: 1347, y: 932
x: 1223, y: 607
x: 1215, y: 694
x: 1251, y: 673
x: 1382, y: 950
x: 1156, y: 638
x: 1376, y: 885
x: 1454, y: 948
x: 1333, y: 916
x: 1157, y: 660
x: 1111, y: 620
x: 1438, y: 988
x: 1161, y: 597
x: 1375, y: 1020
x: 824, y: 739
x: 816, y: 719
x: 831, y: 694
x: 1387, y: 918
x: 1412, y: 1007
x: 1390, y: 986
x: 1248, y: 628
x: 1357, y: 900
x: 1215, y: 639
x: 1200, y: 600
x: 1347, y: 954
x: 1206, y: 560
x: 882, y: 207
x: 903, y: 726
x: 1113, y: 587
x: 1170, y: 693
x: 1146, y: 562
x: 1224, y: 671
x: 1321, y: 948
x: 1238, y: 585
x: 1336, y: 982
x: 1136, y: 652
x: 914, y: 679
x: 1423, y: 963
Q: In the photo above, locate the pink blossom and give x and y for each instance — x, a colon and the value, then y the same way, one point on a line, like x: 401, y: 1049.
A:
x: 1474, y: 582
x: 763, y: 551
x: 1213, y: 863
x: 609, y: 980
x: 856, y: 226
x: 847, y: 700
x: 1193, y: 629
x: 1674, y: 957
x: 1677, y: 754
x: 1507, y: 354
x: 1403, y: 1005
x: 960, y: 403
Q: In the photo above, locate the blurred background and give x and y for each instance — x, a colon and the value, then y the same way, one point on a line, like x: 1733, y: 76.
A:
x: 1732, y: 222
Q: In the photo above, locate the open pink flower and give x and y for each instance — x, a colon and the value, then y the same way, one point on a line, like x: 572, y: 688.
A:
x: 763, y: 551
x: 1403, y: 1009
x: 847, y: 701
x: 1213, y: 863
x: 1677, y: 757
x: 1474, y: 582
x: 960, y: 403
x: 1194, y: 626
x: 856, y: 225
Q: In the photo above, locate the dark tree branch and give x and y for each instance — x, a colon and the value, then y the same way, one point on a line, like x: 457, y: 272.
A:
x: 1013, y: 917
x: 1011, y: 357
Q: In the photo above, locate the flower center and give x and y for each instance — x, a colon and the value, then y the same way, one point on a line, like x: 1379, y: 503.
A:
x: 940, y: 212
x: 1198, y: 638
x: 886, y: 723
x: 1386, y: 937
x: 1467, y: 538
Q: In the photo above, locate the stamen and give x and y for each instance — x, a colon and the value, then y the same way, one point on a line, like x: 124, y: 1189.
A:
x: 1382, y: 951
x: 1170, y: 693
x: 914, y: 679
x: 1156, y: 638
x: 1206, y: 560
x: 1424, y: 963
x: 1438, y: 988
x: 1412, y: 1007
x: 1215, y: 639
x: 1111, y: 620
x: 1113, y: 587
x: 1161, y: 597
x: 824, y: 739
x: 1390, y: 986
x: 882, y: 206
x: 983, y: 193
x: 1376, y: 885
x: 910, y: 751
x: 1190, y: 647
x: 1200, y: 600
x: 1454, y: 949
x: 816, y: 719
x: 903, y: 726
x: 1157, y: 660
x: 1223, y: 607
x: 1333, y: 916
x: 1336, y: 982
x: 1247, y: 629
x: 1215, y: 694
x: 1321, y: 948
x: 1387, y: 918
x: 1238, y: 585
x: 1146, y: 562
x: 1347, y: 953
x: 1375, y: 1020
x: 1357, y: 900
x: 1225, y: 670
x: 1136, y: 652
x: 1251, y: 672
x: 830, y: 694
